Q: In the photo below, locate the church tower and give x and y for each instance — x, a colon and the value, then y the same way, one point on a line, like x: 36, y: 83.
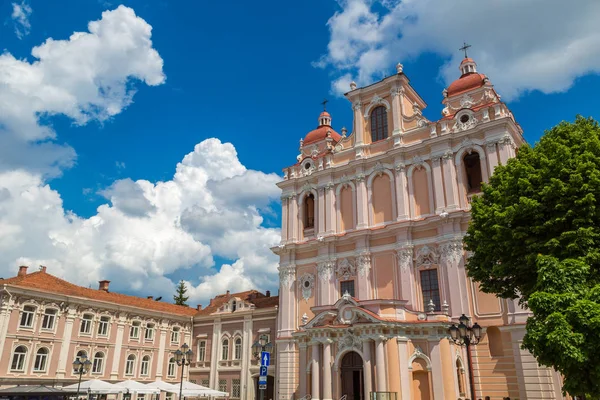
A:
x: 371, y: 257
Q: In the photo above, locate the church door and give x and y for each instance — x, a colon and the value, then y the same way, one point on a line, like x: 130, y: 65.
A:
x: 352, y: 376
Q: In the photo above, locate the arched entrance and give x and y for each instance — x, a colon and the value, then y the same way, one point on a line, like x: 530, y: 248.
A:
x: 352, y: 376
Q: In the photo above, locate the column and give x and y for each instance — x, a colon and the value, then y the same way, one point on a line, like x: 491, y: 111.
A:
x: 404, y: 372
x: 330, y: 212
x: 284, y: 219
x: 438, y: 185
x: 162, y: 342
x: 320, y: 228
x: 506, y: 150
x: 367, y: 368
x: 380, y: 365
x: 396, y: 111
x: 462, y: 194
x: 436, y: 370
x: 293, y: 217
x: 327, y: 370
x: 361, y: 202
x: 302, y: 388
x: 315, y: 371
x: 63, y: 359
x: 5, y: 313
x: 358, y: 124
x: 492, y: 156
x: 401, y: 192
x: 450, y: 181
x: 363, y: 266
x: 393, y: 366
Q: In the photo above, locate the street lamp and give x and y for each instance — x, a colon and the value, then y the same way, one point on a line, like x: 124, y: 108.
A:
x: 183, y: 357
x: 466, y: 335
x: 262, y: 344
x: 81, y: 366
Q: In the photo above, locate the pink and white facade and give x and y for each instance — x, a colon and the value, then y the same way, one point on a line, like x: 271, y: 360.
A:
x: 371, y: 258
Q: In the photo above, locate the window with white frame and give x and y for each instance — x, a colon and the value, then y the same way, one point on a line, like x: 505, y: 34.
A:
x: 80, y: 354
x: 204, y: 382
x: 18, y: 359
x: 149, y: 334
x: 130, y: 365
x: 201, y: 350
x: 49, y: 319
x: 134, y: 331
x: 236, y: 388
x: 141, y: 396
x: 171, y: 368
x: 225, y: 350
x: 222, y: 385
x: 41, y: 360
x: 86, y: 324
x: 103, y: 326
x: 175, y: 334
x: 145, y: 367
x: 27, y: 317
x: 237, y: 349
x: 98, y: 363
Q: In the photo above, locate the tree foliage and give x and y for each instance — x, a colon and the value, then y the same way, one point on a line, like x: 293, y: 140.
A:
x: 535, y: 234
x: 180, y: 297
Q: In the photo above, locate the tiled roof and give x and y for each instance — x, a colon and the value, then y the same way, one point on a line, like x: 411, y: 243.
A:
x: 321, y: 134
x: 465, y: 83
x: 43, y: 281
x: 251, y: 296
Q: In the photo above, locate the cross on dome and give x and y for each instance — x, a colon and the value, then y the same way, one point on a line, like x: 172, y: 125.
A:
x: 464, y: 48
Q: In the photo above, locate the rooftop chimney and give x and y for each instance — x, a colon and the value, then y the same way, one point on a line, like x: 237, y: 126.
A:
x: 268, y: 293
x: 228, y: 292
x: 43, y: 268
x: 199, y: 307
x: 103, y: 285
x: 22, y: 270
x: 150, y: 297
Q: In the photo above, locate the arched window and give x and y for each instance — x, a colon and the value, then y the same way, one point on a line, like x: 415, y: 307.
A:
x: 81, y: 353
x: 309, y: 211
x: 473, y: 172
x: 225, y: 350
x: 494, y: 338
x: 379, y: 124
x: 460, y: 376
x: 130, y: 365
x: 18, y: 359
x: 171, y: 368
x: 238, y: 349
x: 98, y: 363
x: 41, y: 360
x: 145, y: 367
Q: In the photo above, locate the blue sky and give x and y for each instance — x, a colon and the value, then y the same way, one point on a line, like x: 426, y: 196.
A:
x: 252, y: 74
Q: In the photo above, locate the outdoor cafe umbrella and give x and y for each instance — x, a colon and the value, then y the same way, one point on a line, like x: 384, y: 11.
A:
x: 137, y: 387
x: 96, y: 386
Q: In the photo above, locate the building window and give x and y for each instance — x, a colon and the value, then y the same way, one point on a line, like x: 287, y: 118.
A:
x: 473, y: 171
x: 18, y: 359
x: 233, y: 306
x: 130, y: 364
x: 98, y: 363
x: 103, y: 326
x: 141, y: 397
x: 175, y: 335
x: 134, y: 331
x: 149, y: 334
x: 236, y: 388
x: 201, y: 350
x: 309, y: 211
x: 86, y: 324
x: 430, y: 289
x: 145, y: 366
x: 222, y: 385
x: 347, y: 287
x: 204, y: 382
x: 49, y: 319
x: 238, y: 349
x: 27, y: 317
x: 41, y: 360
x: 80, y: 354
x: 379, y: 124
x: 225, y: 350
x: 171, y: 368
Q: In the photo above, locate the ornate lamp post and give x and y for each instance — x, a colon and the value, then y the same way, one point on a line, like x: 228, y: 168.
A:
x: 81, y: 366
x: 262, y: 344
x: 183, y: 357
x: 467, y: 335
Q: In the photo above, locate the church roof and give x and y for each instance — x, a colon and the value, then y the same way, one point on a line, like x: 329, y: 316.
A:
x: 321, y: 134
x: 465, y: 83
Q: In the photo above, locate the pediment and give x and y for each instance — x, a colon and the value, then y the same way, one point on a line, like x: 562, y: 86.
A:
x: 348, y: 314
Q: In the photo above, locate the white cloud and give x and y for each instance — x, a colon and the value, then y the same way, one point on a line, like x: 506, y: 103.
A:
x: 149, y: 230
x: 521, y: 45
x: 20, y: 15
x: 87, y: 78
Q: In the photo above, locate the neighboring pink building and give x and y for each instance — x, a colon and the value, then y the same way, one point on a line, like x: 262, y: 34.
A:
x: 371, y: 256
x: 223, y: 336
x: 46, y: 322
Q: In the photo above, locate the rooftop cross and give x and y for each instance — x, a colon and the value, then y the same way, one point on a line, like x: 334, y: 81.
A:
x: 464, y: 48
x: 325, y: 104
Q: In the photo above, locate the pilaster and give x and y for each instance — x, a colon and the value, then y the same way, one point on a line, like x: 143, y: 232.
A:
x: 162, y: 343
x: 315, y: 371
x: 214, y: 354
x: 401, y: 192
x: 368, y: 367
x: 63, y: 359
x: 380, y: 364
x: 327, y: 384
x: 438, y: 185
x: 330, y: 211
x: 358, y: 124
x: 437, y: 372
x: 363, y: 269
x: 121, y: 321
x: 405, y: 381
x: 293, y: 214
x: 452, y: 260
x: 491, y: 149
x: 302, y: 390
x: 405, y: 256
x: 247, y: 339
x: 361, y: 201
x: 284, y: 218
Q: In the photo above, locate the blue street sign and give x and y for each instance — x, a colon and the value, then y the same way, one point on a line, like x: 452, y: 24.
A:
x: 265, y: 358
x: 262, y: 379
x: 263, y: 371
x: 262, y: 387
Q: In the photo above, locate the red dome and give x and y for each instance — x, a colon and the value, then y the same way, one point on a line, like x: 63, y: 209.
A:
x: 321, y: 134
x: 324, y: 114
x: 465, y: 83
x: 466, y: 60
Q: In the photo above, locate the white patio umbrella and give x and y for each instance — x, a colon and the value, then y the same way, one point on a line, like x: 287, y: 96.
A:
x: 137, y: 387
x: 193, y: 390
x: 96, y: 386
x: 163, y: 386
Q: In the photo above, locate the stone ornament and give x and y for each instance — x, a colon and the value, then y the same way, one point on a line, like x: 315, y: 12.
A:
x: 427, y: 256
x: 349, y: 341
x: 363, y: 264
x: 345, y: 269
x: 287, y: 275
x: 405, y: 257
x: 451, y: 252
x: 325, y: 270
x: 307, y: 284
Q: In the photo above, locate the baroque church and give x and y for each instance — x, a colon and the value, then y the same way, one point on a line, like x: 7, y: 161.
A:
x: 372, y: 266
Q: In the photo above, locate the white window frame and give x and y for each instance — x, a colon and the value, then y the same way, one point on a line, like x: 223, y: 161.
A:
x: 225, y: 349
x: 145, y: 360
x: 175, y: 334
x: 130, y: 365
x: 135, y: 328
x: 104, y: 322
x: 201, y: 350
x: 237, y: 348
x: 149, y: 333
x: 50, y: 314
x: 22, y: 358
x: 28, y: 312
x: 98, y: 360
x: 44, y: 356
x: 85, y: 327
x: 171, y: 368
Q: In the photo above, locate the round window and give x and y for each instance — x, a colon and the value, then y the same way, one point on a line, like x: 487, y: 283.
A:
x: 306, y: 284
x: 307, y: 165
x: 464, y: 118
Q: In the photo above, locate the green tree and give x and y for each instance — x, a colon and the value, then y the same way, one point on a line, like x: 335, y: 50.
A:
x: 535, y: 235
x: 180, y: 298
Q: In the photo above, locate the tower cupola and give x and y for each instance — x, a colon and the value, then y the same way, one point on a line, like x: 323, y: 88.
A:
x: 468, y: 66
x: 324, y: 119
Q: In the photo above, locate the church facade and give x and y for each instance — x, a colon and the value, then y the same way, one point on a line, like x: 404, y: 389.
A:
x: 371, y: 259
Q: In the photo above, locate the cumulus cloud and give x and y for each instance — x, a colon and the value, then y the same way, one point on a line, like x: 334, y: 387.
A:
x: 86, y: 78
x: 149, y: 230
x: 521, y: 45
x: 20, y: 16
